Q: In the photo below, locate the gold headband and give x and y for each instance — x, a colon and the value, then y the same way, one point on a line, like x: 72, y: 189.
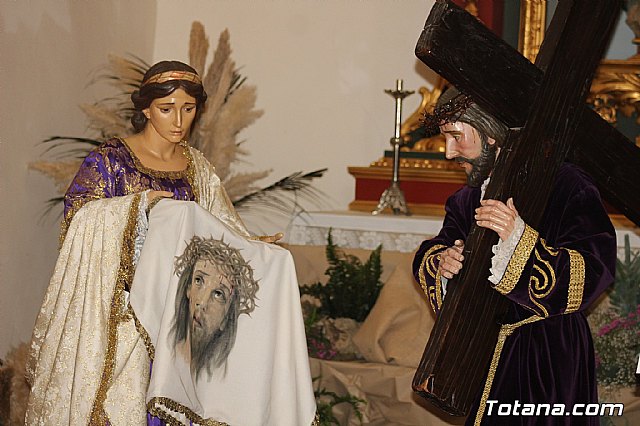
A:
x: 172, y: 75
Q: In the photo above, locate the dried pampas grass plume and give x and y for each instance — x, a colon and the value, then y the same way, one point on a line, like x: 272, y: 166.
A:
x: 230, y: 108
x: 61, y: 172
x: 241, y: 184
x: 198, y: 47
x: 106, y: 120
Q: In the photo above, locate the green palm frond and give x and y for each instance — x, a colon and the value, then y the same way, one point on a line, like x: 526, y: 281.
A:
x: 215, y: 134
x: 284, y: 195
x: 74, y: 147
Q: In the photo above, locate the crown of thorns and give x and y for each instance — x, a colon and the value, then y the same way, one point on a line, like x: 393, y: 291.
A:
x: 230, y: 264
x: 448, y: 112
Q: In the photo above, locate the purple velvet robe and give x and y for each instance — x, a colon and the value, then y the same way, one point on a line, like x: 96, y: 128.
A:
x: 549, y: 361
x: 113, y: 170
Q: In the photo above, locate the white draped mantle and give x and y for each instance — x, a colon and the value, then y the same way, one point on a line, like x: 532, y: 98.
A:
x: 266, y: 380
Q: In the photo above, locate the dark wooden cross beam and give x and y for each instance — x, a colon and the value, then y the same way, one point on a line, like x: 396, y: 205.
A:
x: 504, y: 83
x: 549, y: 120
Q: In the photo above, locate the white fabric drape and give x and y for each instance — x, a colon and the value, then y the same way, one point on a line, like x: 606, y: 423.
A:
x: 266, y: 379
x: 88, y: 363
x: 70, y: 345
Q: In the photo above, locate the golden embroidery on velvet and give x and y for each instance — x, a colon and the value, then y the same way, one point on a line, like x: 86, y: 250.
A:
x: 117, y: 313
x: 552, y: 251
x: 518, y: 261
x: 151, y: 350
x: 550, y: 274
x: 438, y: 290
x: 77, y: 203
x: 541, y: 288
x: 430, y: 292
x: 576, y: 281
x: 542, y: 281
x: 505, y: 331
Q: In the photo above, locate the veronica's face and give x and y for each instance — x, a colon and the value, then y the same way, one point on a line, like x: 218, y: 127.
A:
x: 209, y: 299
x: 171, y: 117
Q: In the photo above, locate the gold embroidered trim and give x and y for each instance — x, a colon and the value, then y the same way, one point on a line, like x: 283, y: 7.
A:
x: 438, y: 289
x: 543, y: 311
x: 548, y: 275
x: 552, y: 251
x: 151, y: 350
x: 421, y: 276
x: 117, y: 313
x: 163, y: 77
x: 518, y: 261
x: 76, y: 205
x: 152, y: 204
x: 191, y: 173
x: 154, y: 407
x: 171, y: 174
x: 505, y: 331
x: 576, y: 281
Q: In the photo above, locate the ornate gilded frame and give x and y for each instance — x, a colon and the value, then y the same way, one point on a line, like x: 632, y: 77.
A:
x: 615, y: 88
x: 616, y: 85
x: 533, y: 22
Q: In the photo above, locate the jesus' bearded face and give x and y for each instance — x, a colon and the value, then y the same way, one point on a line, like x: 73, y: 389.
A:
x: 464, y: 144
x: 209, y: 299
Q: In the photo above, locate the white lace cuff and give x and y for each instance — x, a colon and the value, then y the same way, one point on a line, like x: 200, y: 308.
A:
x: 503, y: 251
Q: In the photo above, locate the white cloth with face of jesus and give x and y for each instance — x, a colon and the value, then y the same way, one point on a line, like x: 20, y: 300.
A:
x: 223, y: 324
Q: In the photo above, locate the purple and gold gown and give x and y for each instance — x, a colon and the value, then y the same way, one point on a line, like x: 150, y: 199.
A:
x: 553, y: 276
x: 114, y: 170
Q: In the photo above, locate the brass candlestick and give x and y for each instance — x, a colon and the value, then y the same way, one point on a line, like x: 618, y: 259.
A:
x: 393, y: 197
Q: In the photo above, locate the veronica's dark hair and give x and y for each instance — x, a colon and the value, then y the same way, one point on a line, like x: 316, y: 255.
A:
x: 143, y: 97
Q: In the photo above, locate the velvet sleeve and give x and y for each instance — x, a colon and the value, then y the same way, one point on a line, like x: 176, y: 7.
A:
x: 427, y: 258
x: 568, y: 275
x: 94, y: 180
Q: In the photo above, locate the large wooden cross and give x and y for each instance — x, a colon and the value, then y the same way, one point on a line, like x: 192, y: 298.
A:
x: 544, y: 107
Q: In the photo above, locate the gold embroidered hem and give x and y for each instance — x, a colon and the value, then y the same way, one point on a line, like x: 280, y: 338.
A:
x: 518, y: 261
x: 151, y: 351
x: 70, y: 343
x: 576, y: 281
x: 152, y: 204
x: 428, y: 263
x: 118, y: 311
x: 505, y: 331
x: 154, y: 406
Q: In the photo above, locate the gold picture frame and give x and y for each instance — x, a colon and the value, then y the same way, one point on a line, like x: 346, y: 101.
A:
x: 616, y: 86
